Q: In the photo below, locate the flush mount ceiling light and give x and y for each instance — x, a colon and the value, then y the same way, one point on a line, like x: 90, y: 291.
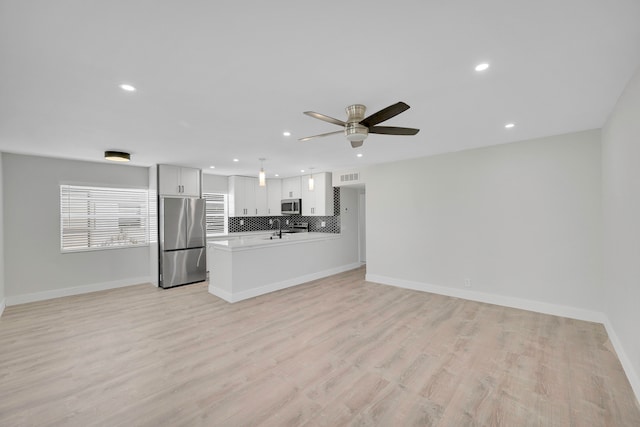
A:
x: 212, y: 167
x: 127, y: 87
x: 262, y: 178
x: 117, y: 156
x: 509, y: 125
x: 286, y: 133
x: 482, y: 67
x: 236, y: 160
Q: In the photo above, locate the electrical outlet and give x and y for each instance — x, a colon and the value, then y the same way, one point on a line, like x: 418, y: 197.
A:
x: 242, y: 222
x: 323, y: 224
x: 467, y: 283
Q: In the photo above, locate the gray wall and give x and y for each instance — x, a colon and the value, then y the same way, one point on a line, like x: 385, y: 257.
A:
x: 215, y: 183
x: 2, y: 301
x: 521, y: 220
x: 621, y: 192
x: 33, y: 261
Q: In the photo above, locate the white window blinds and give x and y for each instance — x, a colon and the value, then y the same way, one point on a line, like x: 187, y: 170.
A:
x: 217, y: 216
x: 102, y: 218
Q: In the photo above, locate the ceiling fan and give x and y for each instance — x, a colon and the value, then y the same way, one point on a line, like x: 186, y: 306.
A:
x: 357, y: 127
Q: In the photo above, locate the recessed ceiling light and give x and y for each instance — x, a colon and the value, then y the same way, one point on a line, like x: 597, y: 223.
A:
x: 236, y: 160
x: 359, y: 155
x: 482, y: 67
x: 286, y: 133
x: 277, y: 175
x: 509, y: 125
x: 302, y: 170
x: 127, y: 87
x: 212, y: 167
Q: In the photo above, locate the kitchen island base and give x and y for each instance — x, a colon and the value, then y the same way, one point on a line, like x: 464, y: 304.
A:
x: 252, y: 268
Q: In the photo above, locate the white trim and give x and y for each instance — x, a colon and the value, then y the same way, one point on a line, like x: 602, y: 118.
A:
x: 76, y: 290
x: 2, y: 305
x: 627, y: 366
x: 521, y: 303
x: 272, y: 287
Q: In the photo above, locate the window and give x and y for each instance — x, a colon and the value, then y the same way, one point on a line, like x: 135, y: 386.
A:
x: 217, y: 215
x: 102, y: 218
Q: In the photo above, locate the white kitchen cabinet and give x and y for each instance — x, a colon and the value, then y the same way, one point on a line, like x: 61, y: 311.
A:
x: 319, y: 201
x: 291, y: 188
x: 274, y: 197
x: 261, y: 199
x: 246, y: 197
x: 242, y: 196
x: 178, y: 181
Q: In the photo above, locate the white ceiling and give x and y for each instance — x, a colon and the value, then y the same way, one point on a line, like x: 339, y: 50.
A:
x: 223, y: 79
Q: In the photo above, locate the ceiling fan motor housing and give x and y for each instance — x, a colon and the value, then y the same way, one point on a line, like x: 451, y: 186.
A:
x: 354, y: 131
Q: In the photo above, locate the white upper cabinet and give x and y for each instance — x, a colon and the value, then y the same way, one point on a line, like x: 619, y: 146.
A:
x: 247, y: 198
x: 274, y: 197
x: 242, y: 196
x: 261, y: 199
x: 319, y: 201
x: 291, y: 188
x: 178, y: 181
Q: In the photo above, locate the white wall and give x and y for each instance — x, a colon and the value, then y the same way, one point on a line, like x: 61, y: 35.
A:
x: 521, y: 221
x: 621, y: 207
x: 215, y: 183
x: 2, y: 299
x: 34, y: 266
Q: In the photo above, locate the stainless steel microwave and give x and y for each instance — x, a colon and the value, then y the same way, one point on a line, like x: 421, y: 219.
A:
x: 291, y: 206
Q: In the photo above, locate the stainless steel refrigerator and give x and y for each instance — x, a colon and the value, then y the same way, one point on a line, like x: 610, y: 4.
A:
x: 182, y: 241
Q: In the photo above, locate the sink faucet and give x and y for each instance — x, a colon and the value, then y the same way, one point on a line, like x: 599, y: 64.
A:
x: 279, y: 228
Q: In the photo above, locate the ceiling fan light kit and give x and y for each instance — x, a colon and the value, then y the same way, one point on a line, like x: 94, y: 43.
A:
x: 357, y: 127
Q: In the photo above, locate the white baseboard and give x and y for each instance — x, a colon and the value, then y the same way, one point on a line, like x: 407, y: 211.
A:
x: 3, y: 304
x: 513, y: 302
x: 629, y: 370
x: 76, y: 290
x: 272, y: 287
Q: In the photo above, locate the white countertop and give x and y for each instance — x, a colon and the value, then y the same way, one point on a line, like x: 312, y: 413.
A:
x: 259, y: 240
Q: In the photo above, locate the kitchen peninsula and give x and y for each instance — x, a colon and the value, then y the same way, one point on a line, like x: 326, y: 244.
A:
x: 255, y: 265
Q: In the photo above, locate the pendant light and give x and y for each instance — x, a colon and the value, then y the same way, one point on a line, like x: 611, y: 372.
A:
x: 262, y: 177
x: 311, y: 182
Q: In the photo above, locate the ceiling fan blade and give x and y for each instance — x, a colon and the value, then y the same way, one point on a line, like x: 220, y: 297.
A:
x: 321, y: 135
x: 325, y: 118
x: 391, y: 130
x: 384, y: 114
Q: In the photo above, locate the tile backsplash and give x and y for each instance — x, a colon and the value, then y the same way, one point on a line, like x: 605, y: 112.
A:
x: 257, y: 223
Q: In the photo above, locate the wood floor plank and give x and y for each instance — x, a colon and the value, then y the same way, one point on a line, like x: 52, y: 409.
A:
x: 335, y: 351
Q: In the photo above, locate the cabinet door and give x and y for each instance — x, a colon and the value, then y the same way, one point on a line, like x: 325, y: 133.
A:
x: 190, y: 181
x: 291, y: 188
x: 169, y: 180
x: 324, y: 195
x: 236, y: 196
x: 274, y: 196
x: 250, y: 204
x: 261, y: 199
x: 308, y: 196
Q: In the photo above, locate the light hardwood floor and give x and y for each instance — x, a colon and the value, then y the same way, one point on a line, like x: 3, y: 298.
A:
x: 336, y: 351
